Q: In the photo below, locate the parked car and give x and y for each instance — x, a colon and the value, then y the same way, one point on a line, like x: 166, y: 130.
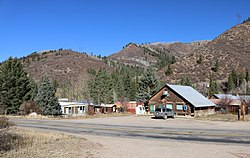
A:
x: 164, y: 113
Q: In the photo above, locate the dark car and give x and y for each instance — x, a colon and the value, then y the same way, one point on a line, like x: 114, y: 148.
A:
x: 164, y: 113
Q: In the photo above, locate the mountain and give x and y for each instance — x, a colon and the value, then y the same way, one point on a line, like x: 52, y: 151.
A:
x: 62, y: 65
x: 145, y: 55
x: 230, y: 50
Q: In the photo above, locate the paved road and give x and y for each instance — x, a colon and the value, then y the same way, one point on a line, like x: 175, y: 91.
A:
x: 130, y: 127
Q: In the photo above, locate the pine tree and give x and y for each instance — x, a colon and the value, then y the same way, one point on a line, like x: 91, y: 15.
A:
x: 247, y: 76
x: 213, y: 88
x: 46, y: 98
x: 230, y: 83
x: 185, y: 81
x: 247, y: 90
x: 173, y: 60
x: 200, y: 60
x: 15, y: 86
x: 133, y: 88
x: 169, y: 71
x: 216, y: 66
x: 102, y: 87
x: 234, y: 78
x: 127, y: 84
x: 119, y: 88
x: 148, y: 84
x: 241, y: 79
x: 33, y: 90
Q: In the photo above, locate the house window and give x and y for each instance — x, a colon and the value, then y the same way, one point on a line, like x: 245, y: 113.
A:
x: 152, y: 108
x: 170, y: 106
x: 165, y: 93
x: 185, y: 107
x: 160, y: 106
x: 80, y: 107
x: 179, y: 107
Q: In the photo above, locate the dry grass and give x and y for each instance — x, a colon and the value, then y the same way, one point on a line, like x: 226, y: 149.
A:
x: 98, y: 116
x: 72, y: 117
x: 27, y: 143
x: 223, y: 117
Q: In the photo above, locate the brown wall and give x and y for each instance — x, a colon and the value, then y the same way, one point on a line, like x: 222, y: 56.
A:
x: 173, y: 99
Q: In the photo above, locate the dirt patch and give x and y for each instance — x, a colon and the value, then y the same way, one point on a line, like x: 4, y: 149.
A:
x: 29, y: 143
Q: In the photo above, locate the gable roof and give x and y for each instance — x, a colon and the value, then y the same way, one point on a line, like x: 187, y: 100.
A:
x: 191, y: 95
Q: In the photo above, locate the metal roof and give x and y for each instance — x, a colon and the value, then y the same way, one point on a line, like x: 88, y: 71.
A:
x: 191, y: 95
x: 228, y: 96
x: 233, y: 97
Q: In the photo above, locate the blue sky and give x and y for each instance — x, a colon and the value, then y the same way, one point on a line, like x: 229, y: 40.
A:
x: 105, y: 26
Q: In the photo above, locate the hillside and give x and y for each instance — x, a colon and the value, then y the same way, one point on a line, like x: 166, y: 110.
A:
x: 134, y: 55
x: 145, y: 55
x: 231, y: 50
x: 62, y: 65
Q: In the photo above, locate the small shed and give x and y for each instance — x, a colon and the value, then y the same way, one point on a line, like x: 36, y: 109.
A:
x: 185, y: 100
x: 109, y: 108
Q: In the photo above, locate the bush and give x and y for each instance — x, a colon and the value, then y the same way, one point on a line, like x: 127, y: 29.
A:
x: 28, y: 107
x: 9, y: 141
x: 5, y: 123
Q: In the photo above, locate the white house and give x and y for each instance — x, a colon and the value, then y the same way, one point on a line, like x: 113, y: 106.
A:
x: 72, y: 107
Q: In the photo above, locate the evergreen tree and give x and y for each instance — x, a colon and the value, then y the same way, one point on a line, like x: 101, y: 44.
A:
x: 213, y: 88
x: 247, y: 90
x: 15, y: 86
x: 127, y: 84
x: 169, y: 71
x: 185, y: 81
x: 247, y: 76
x: 148, y: 84
x: 46, y: 98
x: 33, y: 90
x: 216, y: 66
x: 230, y: 83
x: 200, y: 60
x: 120, y: 88
x: 133, y: 88
x: 173, y: 60
x: 241, y: 79
x: 234, y: 78
x: 102, y: 87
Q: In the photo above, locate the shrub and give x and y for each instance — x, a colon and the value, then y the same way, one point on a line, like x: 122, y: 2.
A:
x: 5, y: 123
x: 29, y: 107
x: 9, y: 141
